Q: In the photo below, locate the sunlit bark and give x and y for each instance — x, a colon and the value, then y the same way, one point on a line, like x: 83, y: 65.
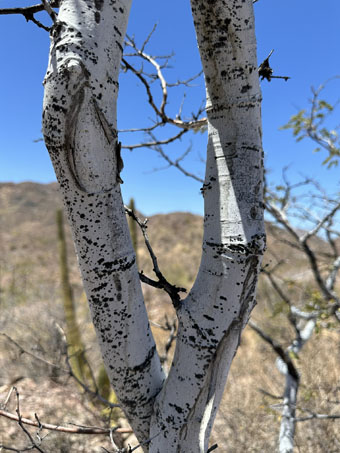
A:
x: 81, y: 87
x: 79, y: 121
x: 213, y: 315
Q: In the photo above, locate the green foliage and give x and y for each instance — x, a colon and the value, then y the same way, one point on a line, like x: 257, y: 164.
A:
x: 76, y: 348
x: 279, y: 307
x: 314, y: 124
x: 106, y: 391
x: 316, y: 301
x: 307, y: 394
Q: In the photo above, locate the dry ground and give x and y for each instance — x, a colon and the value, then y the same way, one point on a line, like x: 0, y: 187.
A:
x: 30, y: 304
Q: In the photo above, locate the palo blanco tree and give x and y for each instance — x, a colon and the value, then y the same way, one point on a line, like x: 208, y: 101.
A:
x: 174, y: 412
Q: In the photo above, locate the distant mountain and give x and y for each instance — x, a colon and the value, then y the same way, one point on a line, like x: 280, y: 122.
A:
x: 29, y: 268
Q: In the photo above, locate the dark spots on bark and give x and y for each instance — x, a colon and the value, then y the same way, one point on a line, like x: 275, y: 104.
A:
x: 117, y: 283
x: 100, y: 261
x: 250, y: 249
x: 99, y: 4
x: 209, y: 318
x: 58, y: 108
x: 146, y: 362
x: 177, y: 408
x: 225, y: 26
x: 95, y: 301
x: 97, y: 17
x: 253, y: 212
x: 87, y: 240
x: 246, y: 88
x: 199, y: 376
x: 206, y: 186
x: 116, y: 29
x: 170, y: 419
x: 56, y: 29
x: 120, y: 46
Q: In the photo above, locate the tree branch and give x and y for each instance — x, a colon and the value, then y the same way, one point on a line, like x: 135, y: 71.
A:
x: 172, y: 290
x: 278, y: 349
x: 29, y: 11
x: 64, y: 429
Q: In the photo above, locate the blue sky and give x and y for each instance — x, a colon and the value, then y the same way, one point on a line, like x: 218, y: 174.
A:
x: 305, y: 35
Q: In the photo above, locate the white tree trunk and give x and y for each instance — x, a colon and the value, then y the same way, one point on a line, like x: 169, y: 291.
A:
x: 292, y: 381
x: 79, y: 123
x: 218, y: 306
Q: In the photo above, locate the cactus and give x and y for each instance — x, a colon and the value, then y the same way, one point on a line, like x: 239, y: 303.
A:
x: 76, y: 348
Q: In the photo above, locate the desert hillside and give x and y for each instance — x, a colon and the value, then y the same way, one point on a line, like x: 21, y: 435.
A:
x: 31, y: 307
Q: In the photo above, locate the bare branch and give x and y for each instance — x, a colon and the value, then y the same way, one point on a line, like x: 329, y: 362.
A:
x: 284, y: 356
x: 29, y: 11
x: 48, y: 8
x: 147, y: 79
x: 315, y: 416
x: 324, y: 220
x: 154, y: 63
x: 34, y: 445
x: 64, y: 429
x: 68, y: 371
x: 170, y: 327
x: 302, y: 240
x: 176, y: 163
x: 155, y: 142
x: 275, y: 397
x: 24, y: 351
x: 172, y: 290
x: 278, y: 289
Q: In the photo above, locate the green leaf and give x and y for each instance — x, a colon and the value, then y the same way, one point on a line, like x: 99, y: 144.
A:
x: 325, y: 105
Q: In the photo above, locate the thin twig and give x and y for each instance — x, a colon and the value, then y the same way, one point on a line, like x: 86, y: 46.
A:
x: 64, y: 429
x: 278, y: 349
x: 172, y: 290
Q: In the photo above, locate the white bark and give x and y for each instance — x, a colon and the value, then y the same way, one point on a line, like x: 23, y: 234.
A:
x: 217, y: 308
x: 79, y: 121
x: 80, y: 132
x: 288, y: 420
x: 287, y: 427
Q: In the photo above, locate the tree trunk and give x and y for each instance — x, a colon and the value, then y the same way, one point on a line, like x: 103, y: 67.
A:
x: 79, y: 123
x: 217, y: 308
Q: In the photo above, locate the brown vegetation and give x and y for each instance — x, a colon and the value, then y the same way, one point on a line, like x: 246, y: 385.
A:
x: 31, y: 311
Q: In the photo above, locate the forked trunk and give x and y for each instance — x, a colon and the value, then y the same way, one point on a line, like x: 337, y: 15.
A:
x: 79, y: 120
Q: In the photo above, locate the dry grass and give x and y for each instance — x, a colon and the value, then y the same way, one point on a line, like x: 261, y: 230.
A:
x: 248, y: 420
